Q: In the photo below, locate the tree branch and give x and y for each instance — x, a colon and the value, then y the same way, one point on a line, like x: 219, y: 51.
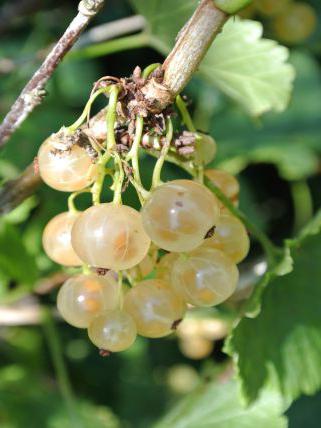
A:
x: 33, y: 93
x: 191, y: 46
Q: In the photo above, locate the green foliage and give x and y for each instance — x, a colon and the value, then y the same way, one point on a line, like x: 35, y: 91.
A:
x: 217, y: 405
x: 283, y: 342
x: 15, y: 261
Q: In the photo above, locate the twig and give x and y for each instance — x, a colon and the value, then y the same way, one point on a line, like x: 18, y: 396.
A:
x: 191, y: 46
x: 111, y: 30
x: 15, y: 191
x: 33, y: 92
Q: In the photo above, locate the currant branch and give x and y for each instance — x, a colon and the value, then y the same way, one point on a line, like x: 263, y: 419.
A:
x: 34, y: 91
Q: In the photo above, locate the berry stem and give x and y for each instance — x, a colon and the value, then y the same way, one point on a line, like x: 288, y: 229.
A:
x: 71, y: 200
x: 86, y: 111
x: 118, y: 179
x: 111, y: 118
x: 156, y: 180
x: 149, y: 69
x: 186, y: 117
x: 101, y: 172
x: 133, y: 154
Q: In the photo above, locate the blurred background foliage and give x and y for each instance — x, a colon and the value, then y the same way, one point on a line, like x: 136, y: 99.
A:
x: 50, y: 375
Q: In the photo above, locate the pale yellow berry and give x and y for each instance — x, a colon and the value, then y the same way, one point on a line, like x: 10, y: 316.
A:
x: 56, y: 239
x: 155, y: 307
x: 113, y: 331
x: 83, y: 297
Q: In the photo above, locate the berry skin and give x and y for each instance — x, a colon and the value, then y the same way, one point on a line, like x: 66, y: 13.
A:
x: 164, y: 266
x: 205, y: 277
x: 113, y: 331
x: 296, y: 24
x: 155, y: 307
x: 56, y: 240
x: 226, y: 182
x: 65, y: 169
x: 83, y: 297
x: 231, y: 237
x: 178, y: 215
x: 110, y: 236
x: 205, y: 149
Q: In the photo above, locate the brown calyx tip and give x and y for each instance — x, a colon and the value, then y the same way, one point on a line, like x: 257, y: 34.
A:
x: 176, y: 323
x: 210, y: 233
x: 104, y: 353
x: 101, y: 271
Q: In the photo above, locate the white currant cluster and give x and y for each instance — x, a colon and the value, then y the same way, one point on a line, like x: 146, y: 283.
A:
x: 181, y: 249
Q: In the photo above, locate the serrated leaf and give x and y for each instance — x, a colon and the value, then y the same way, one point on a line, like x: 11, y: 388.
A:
x: 250, y: 69
x: 290, y: 140
x: 284, y: 341
x: 15, y: 262
x: 217, y: 405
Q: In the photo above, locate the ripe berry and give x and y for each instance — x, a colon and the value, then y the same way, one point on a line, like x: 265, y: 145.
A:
x: 113, y: 331
x: 65, y: 168
x: 83, y: 297
x: 110, y: 236
x: 226, y: 182
x: 178, y: 215
x: 231, y: 237
x: 205, y: 277
x: 56, y: 240
x: 155, y: 307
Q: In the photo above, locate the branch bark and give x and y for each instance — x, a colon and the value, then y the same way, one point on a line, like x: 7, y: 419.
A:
x: 33, y: 93
x: 190, y: 48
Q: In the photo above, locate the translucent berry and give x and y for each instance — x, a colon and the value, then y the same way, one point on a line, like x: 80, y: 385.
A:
x: 113, y: 331
x: 65, y: 168
x: 205, y: 149
x: 110, y: 236
x: 205, y: 277
x: 178, y: 215
x: 196, y: 347
x: 83, y: 297
x: 231, y: 237
x: 155, y: 307
x: 296, y: 24
x: 164, y: 266
x: 56, y: 240
x: 226, y: 182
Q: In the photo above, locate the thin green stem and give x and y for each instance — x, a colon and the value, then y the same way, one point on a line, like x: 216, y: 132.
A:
x: 111, y: 46
x: 156, y: 180
x: 101, y: 172
x: 186, y: 117
x: 111, y: 117
x: 59, y: 366
x: 71, y: 200
x: 149, y: 69
x: 302, y: 203
x: 118, y: 179
x: 133, y: 156
x: 270, y: 249
x: 86, y: 111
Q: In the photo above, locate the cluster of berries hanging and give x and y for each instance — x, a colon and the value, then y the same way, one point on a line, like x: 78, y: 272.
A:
x: 141, y: 269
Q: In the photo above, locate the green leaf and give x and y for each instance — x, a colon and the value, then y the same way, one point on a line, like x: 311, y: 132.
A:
x: 248, y: 68
x: 15, y: 262
x: 283, y: 342
x: 251, y: 70
x: 290, y: 140
x: 217, y: 405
